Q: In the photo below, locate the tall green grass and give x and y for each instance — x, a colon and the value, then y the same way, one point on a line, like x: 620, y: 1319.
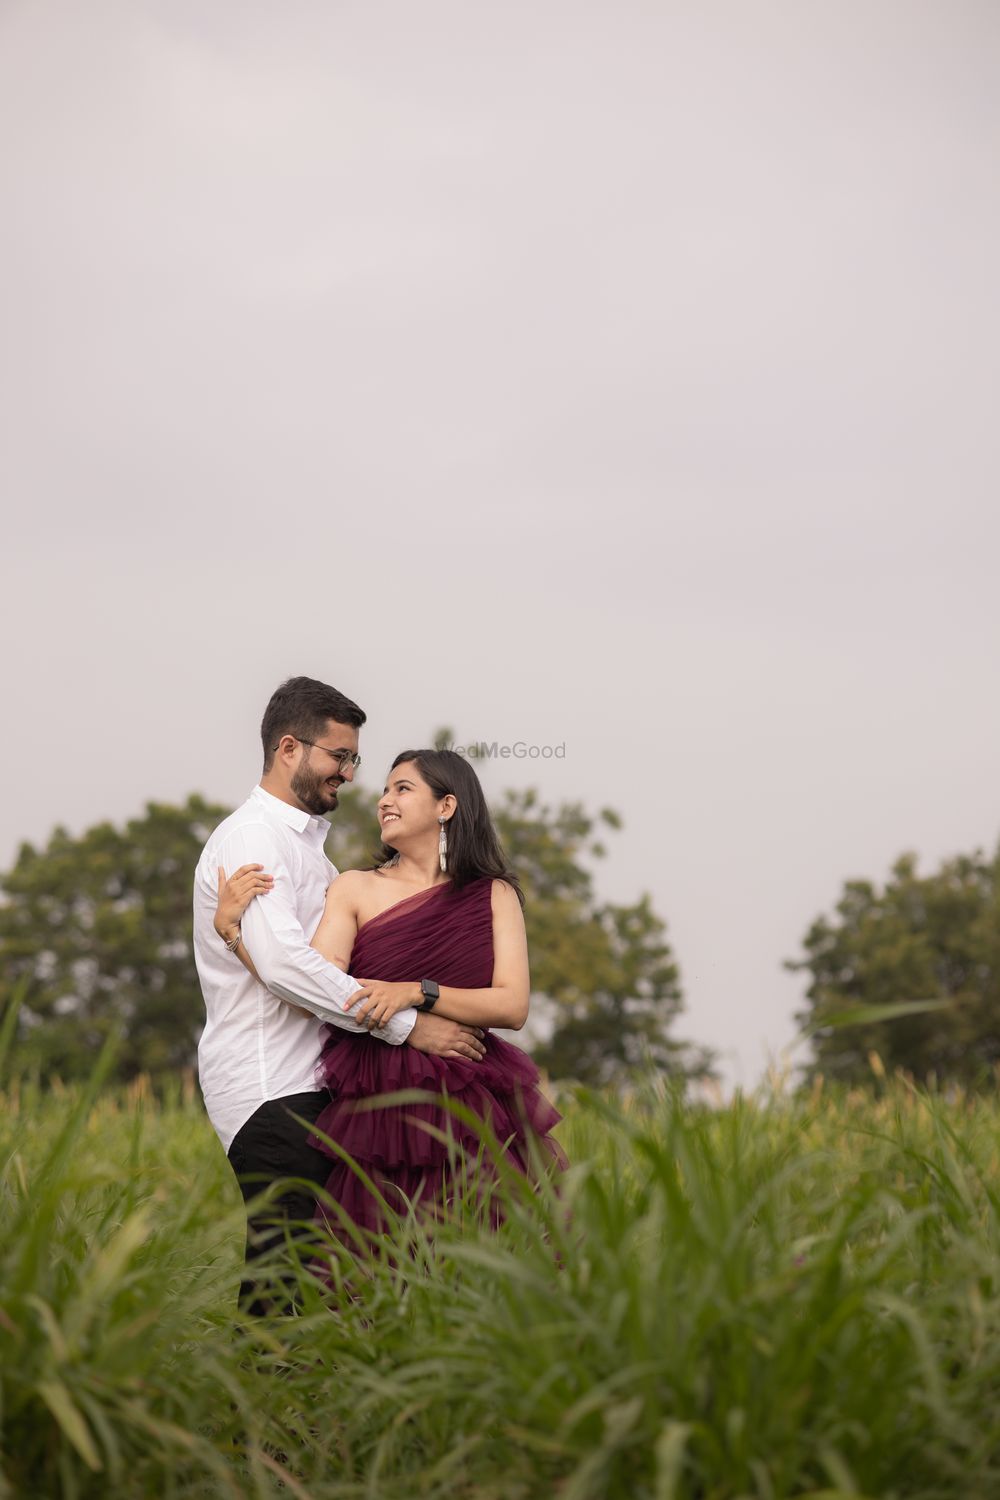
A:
x: 780, y: 1297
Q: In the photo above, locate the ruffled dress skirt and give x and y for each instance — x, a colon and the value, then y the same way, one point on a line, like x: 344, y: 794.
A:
x: 459, y: 1124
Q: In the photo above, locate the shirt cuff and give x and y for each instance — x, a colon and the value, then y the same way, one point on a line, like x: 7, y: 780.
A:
x: 401, y: 1025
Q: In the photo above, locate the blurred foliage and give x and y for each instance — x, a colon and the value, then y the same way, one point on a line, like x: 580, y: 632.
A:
x: 606, y: 970
x: 932, y: 938
x: 98, y: 930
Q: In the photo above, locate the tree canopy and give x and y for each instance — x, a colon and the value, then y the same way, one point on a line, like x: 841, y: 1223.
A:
x: 97, y: 932
x: 919, y: 938
x: 96, y: 929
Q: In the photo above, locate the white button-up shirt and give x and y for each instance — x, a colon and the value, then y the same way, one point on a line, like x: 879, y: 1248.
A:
x: 255, y: 1046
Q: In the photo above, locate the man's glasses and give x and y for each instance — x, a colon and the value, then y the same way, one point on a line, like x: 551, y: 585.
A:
x: 342, y: 757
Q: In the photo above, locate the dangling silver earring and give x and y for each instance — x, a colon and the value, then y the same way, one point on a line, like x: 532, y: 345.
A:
x: 443, y: 846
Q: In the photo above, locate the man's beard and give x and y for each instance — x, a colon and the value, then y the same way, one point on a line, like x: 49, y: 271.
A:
x: 311, y: 789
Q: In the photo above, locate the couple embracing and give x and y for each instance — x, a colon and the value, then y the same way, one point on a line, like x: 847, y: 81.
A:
x: 324, y: 992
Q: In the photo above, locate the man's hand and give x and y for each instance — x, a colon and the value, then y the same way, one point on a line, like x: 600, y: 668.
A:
x: 441, y: 1038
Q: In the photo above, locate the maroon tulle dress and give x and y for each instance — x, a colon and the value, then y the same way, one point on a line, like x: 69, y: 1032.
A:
x: 447, y: 935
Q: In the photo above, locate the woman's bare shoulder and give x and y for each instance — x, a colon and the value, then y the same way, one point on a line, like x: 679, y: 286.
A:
x: 504, y: 896
x: 351, y: 885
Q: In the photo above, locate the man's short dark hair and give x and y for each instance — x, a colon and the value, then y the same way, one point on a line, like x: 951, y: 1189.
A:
x: 302, y: 706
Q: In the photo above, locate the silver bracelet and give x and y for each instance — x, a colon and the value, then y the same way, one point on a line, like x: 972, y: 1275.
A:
x: 233, y: 943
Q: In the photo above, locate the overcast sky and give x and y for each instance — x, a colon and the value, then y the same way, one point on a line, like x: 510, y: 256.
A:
x: 617, y: 375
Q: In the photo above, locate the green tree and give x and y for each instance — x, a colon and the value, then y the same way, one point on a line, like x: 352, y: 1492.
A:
x: 604, y: 972
x: 920, y: 938
x: 97, y: 929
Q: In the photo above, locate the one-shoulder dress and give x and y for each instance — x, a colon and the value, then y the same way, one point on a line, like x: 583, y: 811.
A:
x: 415, y: 1152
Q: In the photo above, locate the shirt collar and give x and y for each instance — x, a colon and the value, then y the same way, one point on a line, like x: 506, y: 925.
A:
x: 295, y: 817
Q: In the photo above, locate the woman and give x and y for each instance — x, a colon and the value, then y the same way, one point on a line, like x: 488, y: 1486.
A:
x: 438, y: 923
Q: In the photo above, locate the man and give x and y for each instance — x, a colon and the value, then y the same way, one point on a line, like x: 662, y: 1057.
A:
x: 259, y: 1051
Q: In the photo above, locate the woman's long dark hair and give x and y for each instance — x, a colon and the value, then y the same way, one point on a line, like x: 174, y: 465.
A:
x: 474, y: 850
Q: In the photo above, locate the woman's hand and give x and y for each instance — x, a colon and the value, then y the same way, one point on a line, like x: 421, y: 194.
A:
x: 235, y: 895
x: 384, y: 1001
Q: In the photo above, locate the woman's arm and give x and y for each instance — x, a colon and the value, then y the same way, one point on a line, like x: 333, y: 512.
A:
x: 338, y: 926
x: 333, y: 938
x: 505, y: 1003
x: 235, y: 895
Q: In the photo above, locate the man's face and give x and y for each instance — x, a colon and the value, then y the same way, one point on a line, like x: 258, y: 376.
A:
x: 317, y: 778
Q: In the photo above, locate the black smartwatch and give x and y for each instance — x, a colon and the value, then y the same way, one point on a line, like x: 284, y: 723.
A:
x: 430, y: 991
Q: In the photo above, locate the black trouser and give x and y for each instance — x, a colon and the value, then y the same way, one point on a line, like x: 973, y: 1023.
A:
x: 269, y: 1146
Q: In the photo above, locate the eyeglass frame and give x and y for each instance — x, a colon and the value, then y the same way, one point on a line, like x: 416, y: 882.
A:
x: 340, y: 756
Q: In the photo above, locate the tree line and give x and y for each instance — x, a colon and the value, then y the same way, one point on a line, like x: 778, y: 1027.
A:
x: 95, y: 935
x: 917, y: 962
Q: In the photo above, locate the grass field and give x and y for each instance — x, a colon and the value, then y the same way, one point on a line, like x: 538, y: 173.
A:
x: 779, y: 1297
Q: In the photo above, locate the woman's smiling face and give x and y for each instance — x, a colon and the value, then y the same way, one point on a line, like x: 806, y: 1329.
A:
x: 407, y: 807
